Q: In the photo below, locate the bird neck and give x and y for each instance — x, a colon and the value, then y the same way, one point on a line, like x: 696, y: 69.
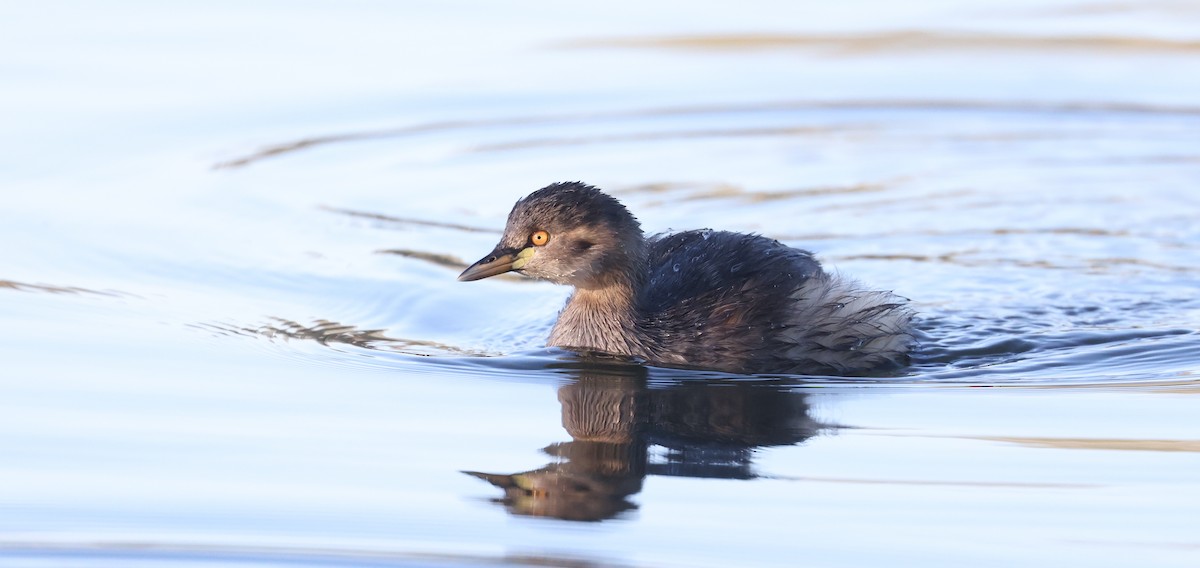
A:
x: 600, y: 319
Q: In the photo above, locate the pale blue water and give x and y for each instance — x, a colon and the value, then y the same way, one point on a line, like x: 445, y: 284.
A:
x: 232, y: 335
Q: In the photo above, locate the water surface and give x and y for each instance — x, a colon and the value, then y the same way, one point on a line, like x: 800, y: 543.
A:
x: 232, y: 335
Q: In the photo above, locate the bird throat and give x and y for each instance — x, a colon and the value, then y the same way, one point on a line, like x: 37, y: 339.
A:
x: 599, y: 319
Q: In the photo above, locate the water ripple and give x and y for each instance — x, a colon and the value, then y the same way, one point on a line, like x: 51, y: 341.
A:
x: 715, y: 110
x: 330, y: 333
x: 166, y: 553
x: 900, y: 41
x: 404, y: 221
x: 657, y: 136
x: 52, y: 289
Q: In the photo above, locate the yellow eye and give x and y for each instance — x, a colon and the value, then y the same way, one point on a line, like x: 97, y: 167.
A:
x: 539, y: 238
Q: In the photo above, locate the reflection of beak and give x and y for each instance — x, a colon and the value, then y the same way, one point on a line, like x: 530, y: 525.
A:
x: 519, y: 484
x: 498, y: 262
x: 501, y: 481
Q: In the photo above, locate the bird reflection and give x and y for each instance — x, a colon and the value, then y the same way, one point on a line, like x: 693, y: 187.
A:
x: 625, y: 427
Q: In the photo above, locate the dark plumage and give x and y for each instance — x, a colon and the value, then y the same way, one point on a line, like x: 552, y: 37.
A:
x: 706, y: 299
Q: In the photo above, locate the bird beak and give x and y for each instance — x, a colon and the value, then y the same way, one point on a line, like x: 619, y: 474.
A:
x: 498, y: 262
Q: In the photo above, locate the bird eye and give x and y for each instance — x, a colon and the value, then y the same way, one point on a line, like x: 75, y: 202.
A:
x: 539, y: 238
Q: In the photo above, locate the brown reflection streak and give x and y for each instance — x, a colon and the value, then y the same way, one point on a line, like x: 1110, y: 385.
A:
x: 1134, y: 386
x: 1121, y: 444
x: 1091, y: 232
x: 438, y: 259
x: 1177, y: 9
x: 23, y: 287
x: 932, y: 200
x: 449, y: 261
x: 1189, y: 159
x: 863, y: 104
x: 700, y: 191
x: 658, y: 187
x: 1100, y: 444
x: 1094, y: 265
x: 1023, y: 136
x: 287, y: 147
x: 407, y: 221
x: 940, y: 483
x: 666, y: 135
x: 727, y: 191
x: 327, y: 332
x: 227, y: 554
x: 1086, y: 231
x: 898, y: 41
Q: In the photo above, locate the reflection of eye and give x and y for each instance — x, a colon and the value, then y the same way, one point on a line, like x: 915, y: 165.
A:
x: 539, y: 238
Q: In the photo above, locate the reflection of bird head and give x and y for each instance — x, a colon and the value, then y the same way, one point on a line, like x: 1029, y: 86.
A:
x: 564, y: 492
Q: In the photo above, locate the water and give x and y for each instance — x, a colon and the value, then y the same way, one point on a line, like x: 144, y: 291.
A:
x: 232, y: 335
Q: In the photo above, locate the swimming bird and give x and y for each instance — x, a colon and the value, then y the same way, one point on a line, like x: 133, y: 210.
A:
x: 706, y: 299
